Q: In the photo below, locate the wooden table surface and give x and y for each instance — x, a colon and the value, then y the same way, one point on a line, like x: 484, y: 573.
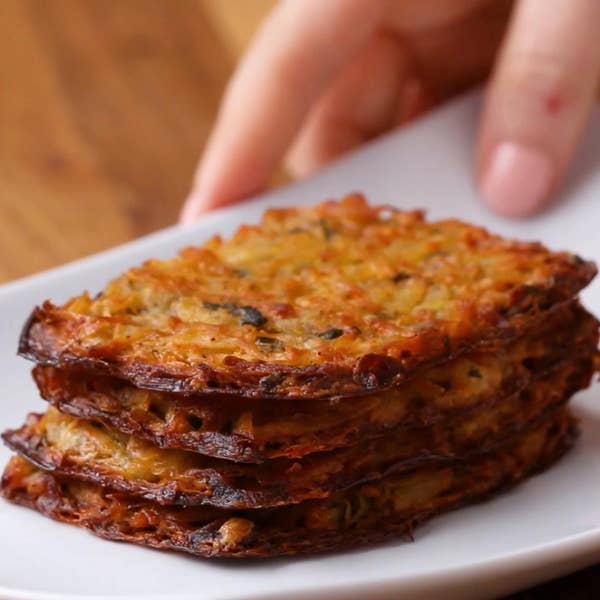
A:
x: 104, y: 109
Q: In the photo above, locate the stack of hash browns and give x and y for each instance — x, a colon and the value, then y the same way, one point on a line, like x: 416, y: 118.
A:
x: 330, y: 377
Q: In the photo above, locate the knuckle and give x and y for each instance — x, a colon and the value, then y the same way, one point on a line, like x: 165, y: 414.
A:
x: 551, y: 82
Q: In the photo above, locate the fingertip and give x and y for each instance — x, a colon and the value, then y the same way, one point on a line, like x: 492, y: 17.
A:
x: 210, y: 194
x: 192, y: 208
x: 187, y: 215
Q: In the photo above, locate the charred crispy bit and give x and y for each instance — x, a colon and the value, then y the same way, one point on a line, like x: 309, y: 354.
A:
x: 86, y: 450
x: 189, y: 324
x: 250, y: 430
x: 364, y: 514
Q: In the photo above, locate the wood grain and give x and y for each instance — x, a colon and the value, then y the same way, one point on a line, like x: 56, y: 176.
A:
x: 104, y: 116
x: 104, y: 109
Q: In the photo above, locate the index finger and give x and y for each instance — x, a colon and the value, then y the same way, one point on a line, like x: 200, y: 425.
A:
x: 298, y: 50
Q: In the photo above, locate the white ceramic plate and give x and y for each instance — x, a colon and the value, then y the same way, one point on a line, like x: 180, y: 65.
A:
x: 547, y: 527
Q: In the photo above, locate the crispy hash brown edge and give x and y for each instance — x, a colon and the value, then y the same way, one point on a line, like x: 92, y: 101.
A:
x: 170, y: 424
x: 224, y: 484
x: 286, y: 531
x: 566, y: 276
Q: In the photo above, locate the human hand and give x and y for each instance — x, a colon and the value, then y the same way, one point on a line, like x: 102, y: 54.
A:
x: 321, y: 78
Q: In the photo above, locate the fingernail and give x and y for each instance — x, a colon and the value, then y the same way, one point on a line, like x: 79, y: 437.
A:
x: 192, y: 209
x: 517, y: 180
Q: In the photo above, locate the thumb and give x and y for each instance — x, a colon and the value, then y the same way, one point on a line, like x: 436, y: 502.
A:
x: 538, y: 102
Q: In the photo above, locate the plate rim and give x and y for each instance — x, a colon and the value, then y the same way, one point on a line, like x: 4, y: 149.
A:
x: 577, y: 548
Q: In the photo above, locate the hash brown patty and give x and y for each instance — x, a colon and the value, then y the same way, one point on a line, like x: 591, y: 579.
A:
x: 86, y: 450
x: 340, y: 299
x: 364, y: 514
x: 250, y: 430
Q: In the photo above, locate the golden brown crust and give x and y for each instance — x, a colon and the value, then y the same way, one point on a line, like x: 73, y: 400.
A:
x: 248, y: 430
x: 86, y: 450
x: 340, y: 299
x: 364, y: 514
